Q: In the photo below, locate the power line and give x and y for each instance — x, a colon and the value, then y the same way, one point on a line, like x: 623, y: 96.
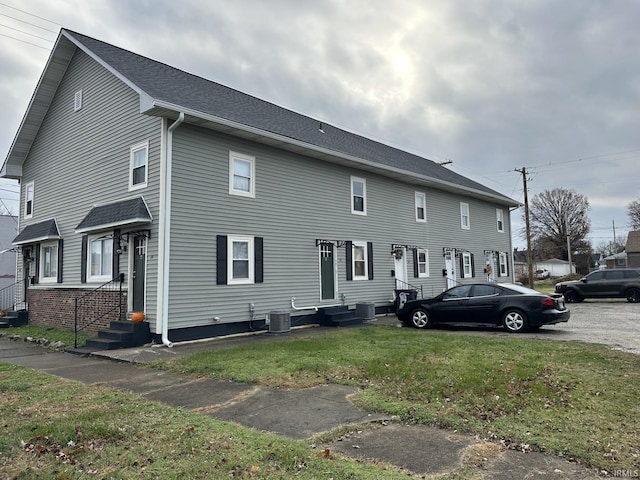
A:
x: 28, y: 23
x: 24, y: 41
x: 28, y: 13
x: 26, y: 33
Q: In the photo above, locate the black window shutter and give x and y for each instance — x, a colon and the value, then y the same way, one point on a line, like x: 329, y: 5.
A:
x: 83, y: 259
x: 115, y: 256
x: 461, y: 265
x: 497, y: 259
x: 416, y: 270
x: 221, y: 259
x: 60, y: 242
x: 473, y: 266
x: 370, y: 259
x: 36, y: 277
x: 506, y: 264
x: 349, y: 259
x: 258, y: 246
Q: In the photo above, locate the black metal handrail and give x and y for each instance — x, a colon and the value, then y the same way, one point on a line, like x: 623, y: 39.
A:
x: 13, y: 296
x: 90, y: 309
x: 407, y: 285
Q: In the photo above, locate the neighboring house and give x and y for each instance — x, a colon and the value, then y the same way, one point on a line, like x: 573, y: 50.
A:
x: 617, y: 260
x: 633, y: 249
x: 520, y: 264
x: 556, y: 267
x: 220, y: 208
x: 8, y: 231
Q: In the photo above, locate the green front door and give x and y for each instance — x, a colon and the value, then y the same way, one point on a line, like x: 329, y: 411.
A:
x: 138, y: 273
x: 327, y: 271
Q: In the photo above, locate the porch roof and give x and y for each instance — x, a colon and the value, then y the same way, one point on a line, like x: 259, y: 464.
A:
x: 130, y: 212
x: 38, y: 232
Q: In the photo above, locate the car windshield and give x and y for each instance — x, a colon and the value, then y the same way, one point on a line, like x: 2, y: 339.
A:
x: 520, y: 289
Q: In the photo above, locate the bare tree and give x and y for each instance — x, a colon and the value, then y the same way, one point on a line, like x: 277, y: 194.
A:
x: 550, y: 213
x: 633, y: 212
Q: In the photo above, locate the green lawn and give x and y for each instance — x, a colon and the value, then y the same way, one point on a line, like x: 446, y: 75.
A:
x: 570, y: 399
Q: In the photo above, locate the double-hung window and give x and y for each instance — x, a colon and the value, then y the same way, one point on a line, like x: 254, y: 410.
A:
x: 465, y: 222
x: 421, y: 207
x: 28, y: 200
x: 422, y: 262
x: 360, y: 257
x: 242, y: 175
x: 240, y: 267
x: 500, y: 219
x: 139, y: 166
x: 358, y: 196
x: 502, y: 259
x: 49, y: 262
x: 467, y: 265
x: 100, y: 262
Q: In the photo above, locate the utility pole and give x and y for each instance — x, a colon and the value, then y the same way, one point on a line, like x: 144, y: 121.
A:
x: 566, y: 221
x: 523, y: 171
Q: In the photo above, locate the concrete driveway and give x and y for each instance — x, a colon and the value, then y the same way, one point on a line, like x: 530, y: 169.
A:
x: 614, y: 322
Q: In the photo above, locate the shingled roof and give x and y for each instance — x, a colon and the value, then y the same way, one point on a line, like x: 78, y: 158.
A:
x: 38, y: 232
x: 130, y: 212
x: 166, y: 91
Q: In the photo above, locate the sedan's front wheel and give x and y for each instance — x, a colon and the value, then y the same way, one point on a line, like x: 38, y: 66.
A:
x: 514, y: 321
x: 420, y: 318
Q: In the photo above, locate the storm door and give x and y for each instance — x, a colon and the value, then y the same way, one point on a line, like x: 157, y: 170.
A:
x: 138, y: 272
x: 327, y: 271
x: 450, y: 267
x: 400, y: 268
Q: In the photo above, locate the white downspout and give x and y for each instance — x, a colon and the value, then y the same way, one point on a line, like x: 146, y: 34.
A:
x: 164, y: 240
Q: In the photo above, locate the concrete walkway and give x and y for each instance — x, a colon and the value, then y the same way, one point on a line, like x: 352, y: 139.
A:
x: 297, y: 414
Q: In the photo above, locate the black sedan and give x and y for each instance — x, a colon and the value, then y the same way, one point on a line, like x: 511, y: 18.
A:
x: 514, y: 307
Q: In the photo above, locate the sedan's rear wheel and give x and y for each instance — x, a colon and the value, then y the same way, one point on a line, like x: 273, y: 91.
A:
x: 420, y: 318
x: 633, y: 295
x: 572, y: 297
x: 514, y: 321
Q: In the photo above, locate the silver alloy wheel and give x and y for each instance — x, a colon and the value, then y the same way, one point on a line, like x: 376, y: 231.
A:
x: 420, y: 318
x: 514, y: 321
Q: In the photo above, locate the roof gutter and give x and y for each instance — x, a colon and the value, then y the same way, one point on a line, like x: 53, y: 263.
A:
x: 164, y: 237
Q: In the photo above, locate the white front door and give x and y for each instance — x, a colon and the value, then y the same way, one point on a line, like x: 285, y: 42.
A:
x: 450, y: 266
x: 400, y: 267
x: 489, y: 268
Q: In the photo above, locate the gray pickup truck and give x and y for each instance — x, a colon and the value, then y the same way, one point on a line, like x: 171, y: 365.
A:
x: 616, y: 283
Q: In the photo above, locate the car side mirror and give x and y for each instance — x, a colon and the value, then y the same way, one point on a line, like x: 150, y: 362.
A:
x: 583, y: 280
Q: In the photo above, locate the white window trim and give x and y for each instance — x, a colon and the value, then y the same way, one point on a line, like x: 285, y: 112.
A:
x: 98, y: 278
x: 363, y: 245
x: 132, y: 151
x: 364, y: 196
x: 500, y: 220
x: 423, y: 197
x: 252, y: 180
x: 42, y: 278
x: 502, y: 264
x: 27, y: 187
x: 467, y: 265
x: 250, y: 241
x: 426, y: 262
x: 464, y: 213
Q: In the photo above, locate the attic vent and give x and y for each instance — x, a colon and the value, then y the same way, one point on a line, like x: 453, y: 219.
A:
x: 77, y: 101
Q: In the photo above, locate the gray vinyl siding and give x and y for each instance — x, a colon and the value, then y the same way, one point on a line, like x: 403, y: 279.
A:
x: 298, y: 200
x: 81, y: 159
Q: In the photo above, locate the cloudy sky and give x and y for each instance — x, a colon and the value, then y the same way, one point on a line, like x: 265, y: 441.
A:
x: 491, y: 85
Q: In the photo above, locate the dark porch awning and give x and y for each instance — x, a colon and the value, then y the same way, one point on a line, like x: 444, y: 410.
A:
x: 129, y: 212
x: 38, y: 232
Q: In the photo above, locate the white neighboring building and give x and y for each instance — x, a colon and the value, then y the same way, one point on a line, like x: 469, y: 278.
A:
x: 556, y: 267
x: 8, y: 231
